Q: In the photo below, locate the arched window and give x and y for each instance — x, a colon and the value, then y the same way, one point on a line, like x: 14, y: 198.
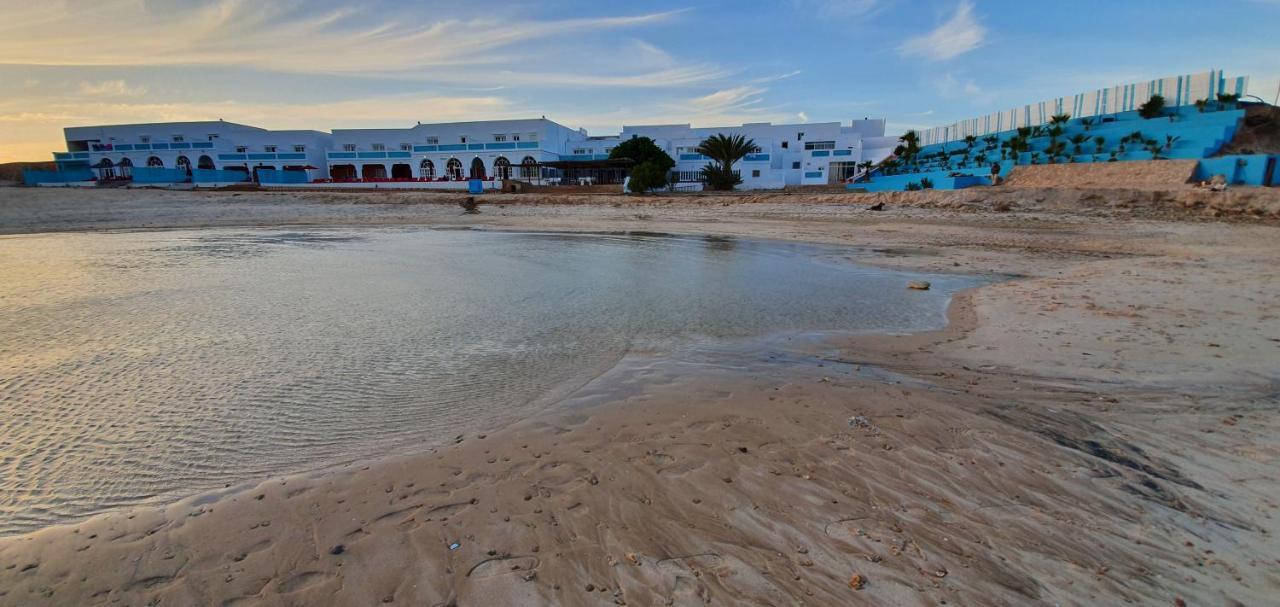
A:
x: 205, y: 162
x: 453, y: 169
x: 427, y: 170
x: 528, y: 168
x: 184, y: 164
x: 106, y: 170
x: 155, y: 161
x: 126, y: 167
x: 477, y: 168
x: 502, y: 168
x: 401, y: 171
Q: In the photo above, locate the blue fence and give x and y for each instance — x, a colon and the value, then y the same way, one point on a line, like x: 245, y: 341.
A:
x: 37, y: 177
x: 270, y: 176
x: 215, y: 176
x: 158, y: 175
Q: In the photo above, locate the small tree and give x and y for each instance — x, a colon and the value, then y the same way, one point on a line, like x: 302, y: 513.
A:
x: 1153, y: 108
x: 1228, y: 100
x: 1099, y: 142
x: 1078, y: 142
x: 1059, y: 119
x: 926, y: 183
x: 970, y: 140
x: 1201, y: 104
x: 724, y: 150
x: 719, y: 178
x: 1087, y: 122
x: 647, y: 176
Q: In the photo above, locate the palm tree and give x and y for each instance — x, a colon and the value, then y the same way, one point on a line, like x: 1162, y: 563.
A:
x: 970, y: 140
x: 1225, y: 99
x: 1059, y: 119
x: 1169, y: 140
x: 1078, y: 141
x: 1087, y: 122
x: 981, y: 158
x: 1100, y: 141
x: 991, y: 142
x: 726, y: 149
x: 911, y: 140
x: 1201, y: 104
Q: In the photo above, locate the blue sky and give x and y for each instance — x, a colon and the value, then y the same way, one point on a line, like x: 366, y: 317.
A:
x: 595, y: 64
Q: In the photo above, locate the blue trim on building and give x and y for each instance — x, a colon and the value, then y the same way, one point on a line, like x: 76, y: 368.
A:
x: 371, y: 155
x: 262, y: 156
x: 475, y: 146
x: 821, y: 153
x: 527, y: 145
x: 425, y: 148
x: 202, y: 145
x: 453, y: 147
x: 398, y: 154
x: 500, y: 146
x: 342, y: 155
x: 232, y: 157
x: 291, y: 156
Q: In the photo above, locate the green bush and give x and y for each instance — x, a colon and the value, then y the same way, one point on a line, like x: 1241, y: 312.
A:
x: 1153, y: 108
x: 643, y: 150
x: 926, y: 183
x: 719, y: 178
x: 647, y: 176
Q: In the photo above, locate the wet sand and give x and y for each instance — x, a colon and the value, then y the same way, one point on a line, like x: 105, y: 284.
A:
x: 1101, y: 429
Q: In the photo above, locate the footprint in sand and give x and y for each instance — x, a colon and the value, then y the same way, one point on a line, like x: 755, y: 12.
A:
x: 303, y: 581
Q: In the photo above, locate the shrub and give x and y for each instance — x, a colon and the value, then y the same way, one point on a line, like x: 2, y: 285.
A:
x: 913, y: 187
x: 1153, y: 108
x: 719, y: 178
x: 643, y: 150
x: 926, y: 183
x: 647, y: 176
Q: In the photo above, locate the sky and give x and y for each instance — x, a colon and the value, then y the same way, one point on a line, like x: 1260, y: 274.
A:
x: 323, y: 64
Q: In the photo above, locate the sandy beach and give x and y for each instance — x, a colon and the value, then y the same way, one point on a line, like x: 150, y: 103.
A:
x: 1098, y: 429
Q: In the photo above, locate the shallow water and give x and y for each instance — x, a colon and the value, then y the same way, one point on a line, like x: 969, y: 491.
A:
x: 141, y: 367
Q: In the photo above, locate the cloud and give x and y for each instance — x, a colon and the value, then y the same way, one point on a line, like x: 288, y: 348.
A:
x: 951, y: 86
x: 306, y: 36
x: 736, y: 98
x: 111, y: 88
x: 958, y: 35
x: 802, y: 117
x: 842, y: 8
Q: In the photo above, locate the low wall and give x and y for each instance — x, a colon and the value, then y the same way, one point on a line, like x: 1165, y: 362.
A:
x: 1152, y: 174
x: 451, y: 186
x: 1238, y: 169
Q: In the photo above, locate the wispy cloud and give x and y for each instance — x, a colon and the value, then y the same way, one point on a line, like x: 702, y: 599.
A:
x: 843, y: 8
x: 286, y: 35
x: 958, y: 35
x: 111, y: 88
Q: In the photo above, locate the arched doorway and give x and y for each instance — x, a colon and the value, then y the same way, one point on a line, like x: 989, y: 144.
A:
x: 502, y: 168
x: 453, y: 169
x: 528, y: 168
x: 373, y: 172
x: 427, y: 170
x: 106, y: 169
x: 126, y: 168
x: 155, y: 161
x: 205, y: 163
x: 184, y: 164
x: 342, y: 172
x: 477, y: 168
x: 401, y: 171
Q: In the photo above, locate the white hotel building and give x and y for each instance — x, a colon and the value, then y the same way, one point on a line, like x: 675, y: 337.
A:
x: 444, y: 155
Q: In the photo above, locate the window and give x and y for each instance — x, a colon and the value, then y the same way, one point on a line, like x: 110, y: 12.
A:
x: 379, y: 147
x: 799, y: 136
x: 607, y: 150
x: 515, y: 138
x: 795, y: 165
x: 348, y: 147
x: 784, y: 144
x: 463, y: 138
x: 692, y: 149
x: 145, y: 138
x: 179, y: 139
x: 299, y: 148
x: 820, y: 145
x: 755, y: 173
x: 581, y: 151
x: 269, y: 148
x: 240, y: 149
x: 406, y: 147
x: 499, y: 138
x: 533, y: 136
x: 433, y: 140
x: 213, y: 136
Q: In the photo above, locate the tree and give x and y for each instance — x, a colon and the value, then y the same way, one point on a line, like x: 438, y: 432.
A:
x: 1087, y: 122
x: 725, y: 150
x: 1227, y: 100
x: 717, y: 177
x: 1201, y: 104
x: 641, y: 150
x: 1099, y: 141
x: 970, y: 140
x: 1078, y: 142
x: 647, y: 176
x: 1059, y: 119
x: 1153, y: 108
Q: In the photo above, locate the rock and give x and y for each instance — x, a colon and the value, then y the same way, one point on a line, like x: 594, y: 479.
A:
x: 859, y: 421
x: 856, y: 581
x: 336, y: 550
x: 918, y: 285
x: 879, y: 206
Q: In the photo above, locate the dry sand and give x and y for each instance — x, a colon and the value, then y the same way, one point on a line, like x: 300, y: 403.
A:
x: 1100, y: 430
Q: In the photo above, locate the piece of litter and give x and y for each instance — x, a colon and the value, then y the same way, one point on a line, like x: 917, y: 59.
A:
x: 455, y: 546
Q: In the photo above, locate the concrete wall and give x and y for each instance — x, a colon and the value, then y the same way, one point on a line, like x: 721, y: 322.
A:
x: 1177, y: 91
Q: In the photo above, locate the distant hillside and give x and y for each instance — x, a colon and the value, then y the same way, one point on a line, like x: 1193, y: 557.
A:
x: 12, y: 171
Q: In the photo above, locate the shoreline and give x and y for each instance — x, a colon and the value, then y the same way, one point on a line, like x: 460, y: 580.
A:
x: 1097, y: 430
